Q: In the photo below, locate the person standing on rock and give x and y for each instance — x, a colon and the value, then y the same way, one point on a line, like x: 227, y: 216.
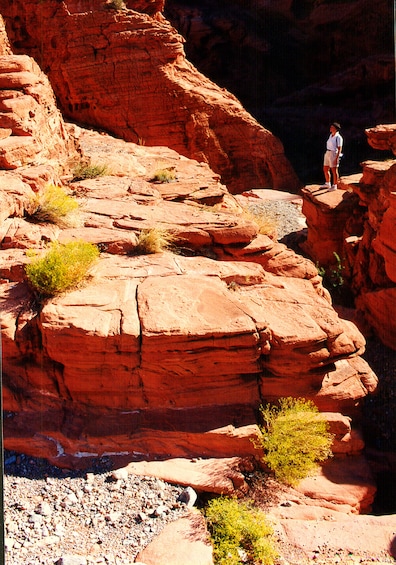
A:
x: 332, y: 157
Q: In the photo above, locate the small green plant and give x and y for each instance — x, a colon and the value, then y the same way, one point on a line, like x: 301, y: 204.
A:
x: 154, y: 240
x: 232, y: 285
x: 62, y: 268
x: 294, y: 437
x: 83, y: 171
x: 164, y: 175
x: 54, y: 205
x: 333, y: 277
x: 239, y: 533
x: 321, y: 270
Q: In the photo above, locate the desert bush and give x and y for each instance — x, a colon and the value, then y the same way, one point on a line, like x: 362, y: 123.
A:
x: 267, y: 224
x: 164, y: 175
x: 239, y: 533
x: 54, y: 205
x: 154, y: 240
x: 62, y: 268
x: 294, y: 437
x: 82, y: 171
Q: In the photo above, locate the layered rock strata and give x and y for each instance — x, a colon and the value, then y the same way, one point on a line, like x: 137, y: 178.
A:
x: 294, y: 65
x: 32, y: 131
x: 169, y: 354
x: 358, y: 223
x: 126, y: 72
x: 167, y: 343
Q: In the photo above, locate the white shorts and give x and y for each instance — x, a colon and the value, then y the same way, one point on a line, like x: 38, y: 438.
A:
x: 330, y: 159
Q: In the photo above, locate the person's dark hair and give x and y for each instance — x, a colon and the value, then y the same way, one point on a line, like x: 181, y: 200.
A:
x: 336, y: 125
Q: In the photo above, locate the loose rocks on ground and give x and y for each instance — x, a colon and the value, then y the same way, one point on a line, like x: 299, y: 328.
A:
x: 79, y: 518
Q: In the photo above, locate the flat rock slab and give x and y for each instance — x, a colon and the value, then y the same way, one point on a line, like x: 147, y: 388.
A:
x: 184, y: 541
x: 364, y: 538
x: 271, y: 194
x: 221, y: 476
x: 344, y: 483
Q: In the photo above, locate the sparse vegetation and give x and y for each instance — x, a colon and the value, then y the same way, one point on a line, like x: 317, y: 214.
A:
x: 333, y: 278
x: 239, y: 533
x: 294, y: 437
x: 62, y: 268
x: 233, y: 286
x: 54, y: 205
x: 83, y: 171
x: 267, y: 224
x: 164, y: 175
x: 154, y: 240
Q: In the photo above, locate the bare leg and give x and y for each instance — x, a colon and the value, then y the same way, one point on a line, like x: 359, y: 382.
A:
x: 326, y: 172
x: 334, y: 172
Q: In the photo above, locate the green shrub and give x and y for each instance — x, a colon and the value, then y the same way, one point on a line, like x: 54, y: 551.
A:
x: 294, y: 438
x: 239, y: 533
x: 83, y: 171
x: 333, y: 277
x: 164, y: 175
x: 62, y: 268
x: 154, y: 240
x: 54, y: 205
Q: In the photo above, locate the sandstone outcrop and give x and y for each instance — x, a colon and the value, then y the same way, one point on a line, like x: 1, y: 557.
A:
x: 181, y: 542
x: 165, y: 355
x: 358, y: 223
x: 126, y: 72
x: 168, y: 355
x: 31, y: 127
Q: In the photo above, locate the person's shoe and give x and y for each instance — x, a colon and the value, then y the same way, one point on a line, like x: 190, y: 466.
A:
x: 334, y: 187
x: 326, y: 185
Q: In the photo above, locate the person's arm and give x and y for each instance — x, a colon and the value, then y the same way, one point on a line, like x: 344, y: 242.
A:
x: 339, y: 149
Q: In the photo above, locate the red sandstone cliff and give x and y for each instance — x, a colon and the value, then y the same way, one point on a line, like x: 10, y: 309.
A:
x: 126, y: 72
x: 162, y: 355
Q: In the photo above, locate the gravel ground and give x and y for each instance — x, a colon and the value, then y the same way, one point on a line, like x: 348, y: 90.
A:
x: 286, y: 215
x: 51, y: 514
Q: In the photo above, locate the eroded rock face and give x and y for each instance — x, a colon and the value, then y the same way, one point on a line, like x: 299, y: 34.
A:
x: 167, y: 343
x: 168, y: 354
x: 126, y: 72
x: 358, y: 223
x: 31, y: 127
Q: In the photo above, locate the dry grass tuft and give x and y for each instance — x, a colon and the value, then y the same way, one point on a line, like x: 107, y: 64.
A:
x: 56, y: 206
x: 154, y: 240
x: 267, y: 224
x: 164, y: 175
